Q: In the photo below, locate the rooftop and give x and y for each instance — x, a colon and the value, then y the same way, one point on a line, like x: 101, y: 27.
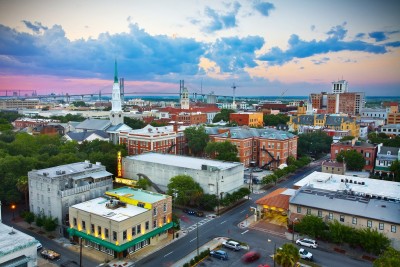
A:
x: 12, y: 240
x: 98, y: 207
x: 183, y: 161
x: 74, y: 169
x: 358, y: 185
x: 138, y: 194
x: 373, y: 208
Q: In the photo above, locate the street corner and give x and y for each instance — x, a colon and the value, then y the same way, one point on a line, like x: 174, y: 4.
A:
x: 211, y: 216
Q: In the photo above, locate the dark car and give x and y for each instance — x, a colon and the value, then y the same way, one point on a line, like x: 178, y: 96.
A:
x: 199, y: 213
x: 219, y: 254
x: 251, y: 256
x: 188, y: 211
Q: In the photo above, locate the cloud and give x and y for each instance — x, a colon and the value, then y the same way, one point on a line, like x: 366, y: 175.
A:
x: 334, y: 43
x: 312, y: 27
x: 220, y: 21
x: 263, y: 7
x: 233, y: 53
x: 36, y: 26
x: 320, y: 61
x: 360, y: 35
x: 393, y: 44
x: 378, y: 36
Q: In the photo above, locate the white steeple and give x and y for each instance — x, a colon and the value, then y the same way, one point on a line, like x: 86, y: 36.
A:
x: 185, y: 98
x: 116, y: 114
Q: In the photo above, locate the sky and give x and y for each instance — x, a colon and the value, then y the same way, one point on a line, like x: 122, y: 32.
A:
x: 265, y: 48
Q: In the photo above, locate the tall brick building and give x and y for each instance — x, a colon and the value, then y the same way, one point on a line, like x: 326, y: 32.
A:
x: 251, y: 119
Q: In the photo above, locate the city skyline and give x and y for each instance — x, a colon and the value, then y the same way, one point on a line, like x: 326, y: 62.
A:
x: 264, y: 47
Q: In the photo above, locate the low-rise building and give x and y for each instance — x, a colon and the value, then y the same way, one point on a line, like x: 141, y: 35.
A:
x: 384, y: 159
x: 393, y: 118
x: 251, y: 119
x: 213, y: 176
x: 53, y: 190
x: 123, y: 222
x: 330, y: 166
x: 391, y: 129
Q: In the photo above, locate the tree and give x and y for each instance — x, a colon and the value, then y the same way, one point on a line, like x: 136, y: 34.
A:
x: 134, y: 123
x: 197, y: 139
x: 223, y: 115
x: 337, y: 232
x: 354, y: 160
x: 311, y: 225
x: 208, y: 202
x: 390, y: 258
x: 29, y: 217
x: 23, y: 187
x: 50, y: 224
x: 346, y: 138
x: 287, y: 255
x: 222, y: 151
x: 79, y: 104
x: 314, y: 143
x: 188, y: 191
x: 274, y: 120
x: 143, y: 184
x: 395, y: 168
x: 373, y: 241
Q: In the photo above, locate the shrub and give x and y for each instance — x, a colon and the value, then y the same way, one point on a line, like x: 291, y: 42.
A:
x: 29, y: 217
x: 186, y: 264
x: 39, y: 220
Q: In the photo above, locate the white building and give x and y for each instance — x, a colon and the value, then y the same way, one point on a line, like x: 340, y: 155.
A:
x: 391, y: 129
x: 375, y: 113
x: 16, y: 248
x: 340, y: 87
x: 215, y: 177
x: 53, y: 190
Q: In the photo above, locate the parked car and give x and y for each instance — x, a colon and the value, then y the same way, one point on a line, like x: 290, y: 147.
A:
x: 219, y: 254
x: 304, y: 254
x: 39, y: 246
x: 199, y: 213
x: 307, y: 242
x: 256, y: 169
x: 232, y: 245
x: 251, y: 256
x: 189, y: 212
x: 50, y: 254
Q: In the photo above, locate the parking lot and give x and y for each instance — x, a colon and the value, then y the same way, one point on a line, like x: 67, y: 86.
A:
x: 234, y: 260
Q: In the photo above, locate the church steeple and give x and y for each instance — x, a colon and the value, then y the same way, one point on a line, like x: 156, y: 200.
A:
x: 115, y: 73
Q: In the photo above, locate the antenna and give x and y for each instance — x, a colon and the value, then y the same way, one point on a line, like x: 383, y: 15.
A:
x: 234, y: 90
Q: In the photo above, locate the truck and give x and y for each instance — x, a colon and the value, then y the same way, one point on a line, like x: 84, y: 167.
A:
x: 50, y: 254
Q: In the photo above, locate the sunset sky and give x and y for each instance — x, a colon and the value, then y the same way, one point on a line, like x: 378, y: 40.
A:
x: 264, y: 47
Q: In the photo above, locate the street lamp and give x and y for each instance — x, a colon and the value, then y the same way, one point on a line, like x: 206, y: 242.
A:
x: 294, y: 220
x: 13, y: 209
x: 269, y: 241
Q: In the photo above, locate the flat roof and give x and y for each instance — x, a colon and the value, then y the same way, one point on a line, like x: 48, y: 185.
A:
x: 333, y: 182
x: 98, y: 207
x: 12, y: 240
x: 75, y: 168
x: 378, y: 209
x: 139, y: 194
x: 183, y: 161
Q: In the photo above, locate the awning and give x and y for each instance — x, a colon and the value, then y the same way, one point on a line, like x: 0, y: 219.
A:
x: 16, y: 261
x: 119, y: 248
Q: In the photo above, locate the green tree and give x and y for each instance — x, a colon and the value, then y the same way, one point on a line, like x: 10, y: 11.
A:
x: 274, y: 120
x: 23, y: 187
x: 68, y: 118
x: 197, y: 139
x: 373, y: 241
x: 143, y: 184
x: 287, y: 255
x: 314, y: 143
x: 346, y: 138
x: 222, y: 151
x: 208, y: 202
x: 50, y: 224
x: 395, y: 168
x: 134, y: 123
x: 223, y: 115
x: 29, y: 217
x: 390, y: 258
x: 337, y: 232
x: 79, y: 104
x: 354, y: 160
x: 311, y: 225
x: 187, y: 190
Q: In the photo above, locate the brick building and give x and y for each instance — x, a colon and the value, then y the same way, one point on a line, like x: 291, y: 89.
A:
x: 367, y: 150
x: 190, y: 118
x: 28, y: 122
x: 251, y: 119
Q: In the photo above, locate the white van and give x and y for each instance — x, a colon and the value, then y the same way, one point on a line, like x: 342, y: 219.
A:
x: 232, y: 245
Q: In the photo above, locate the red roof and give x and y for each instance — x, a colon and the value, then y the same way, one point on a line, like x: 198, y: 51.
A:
x: 275, y: 199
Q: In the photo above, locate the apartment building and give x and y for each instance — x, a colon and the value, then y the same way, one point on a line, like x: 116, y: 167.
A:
x: 393, y: 118
x: 251, y: 119
x: 331, y: 166
x: 123, y: 221
x: 391, y: 129
x: 18, y: 103
x: 353, y: 201
x: 53, y: 190
x: 190, y: 118
x: 367, y: 150
x: 384, y: 159
x: 28, y: 122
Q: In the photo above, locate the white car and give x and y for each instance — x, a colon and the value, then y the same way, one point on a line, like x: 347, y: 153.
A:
x: 232, y: 245
x: 307, y: 242
x: 39, y: 246
x: 304, y: 254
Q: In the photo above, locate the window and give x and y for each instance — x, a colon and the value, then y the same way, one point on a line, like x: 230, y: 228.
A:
x: 369, y: 224
x: 164, y: 220
x: 354, y: 221
x: 74, y: 222
x: 83, y: 225
x: 99, y: 230
x: 298, y: 209
x: 381, y: 226
x: 367, y: 154
x: 124, y: 235
x: 133, y: 231
x: 138, y: 229
x: 165, y: 207
x: 92, y: 228
x: 308, y: 211
x: 147, y: 225
x: 320, y: 213
x: 114, y: 235
x: 154, y: 224
x: 140, y: 204
x: 155, y: 211
x: 330, y: 216
x: 342, y: 218
x: 106, y: 233
x: 393, y: 228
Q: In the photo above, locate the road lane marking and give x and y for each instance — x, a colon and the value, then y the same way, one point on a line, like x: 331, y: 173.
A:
x: 168, y: 254
x: 193, y: 239
x: 244, y: 232
x: 223, y: 222
x: 242, y: 211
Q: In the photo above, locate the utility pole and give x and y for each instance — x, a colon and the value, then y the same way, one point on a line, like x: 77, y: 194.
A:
x: 80, y: 252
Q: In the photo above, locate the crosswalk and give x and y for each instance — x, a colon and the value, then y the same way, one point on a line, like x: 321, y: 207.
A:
x: 194, y: 226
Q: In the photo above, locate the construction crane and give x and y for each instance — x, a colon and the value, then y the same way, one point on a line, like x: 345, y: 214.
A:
x: 234, y: 90
x: 283, y: 92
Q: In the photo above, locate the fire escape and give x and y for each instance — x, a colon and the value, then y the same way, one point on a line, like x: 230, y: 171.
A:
x: 273, y: 159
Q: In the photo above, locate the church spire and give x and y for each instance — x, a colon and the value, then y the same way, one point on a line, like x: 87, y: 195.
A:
x: 115, y: 73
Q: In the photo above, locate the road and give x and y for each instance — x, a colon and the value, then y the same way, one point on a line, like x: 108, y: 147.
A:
x: 226, y: 225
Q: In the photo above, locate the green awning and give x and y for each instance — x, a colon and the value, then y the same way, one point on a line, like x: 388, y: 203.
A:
x: 113, y: 246
x: 381, y: 168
